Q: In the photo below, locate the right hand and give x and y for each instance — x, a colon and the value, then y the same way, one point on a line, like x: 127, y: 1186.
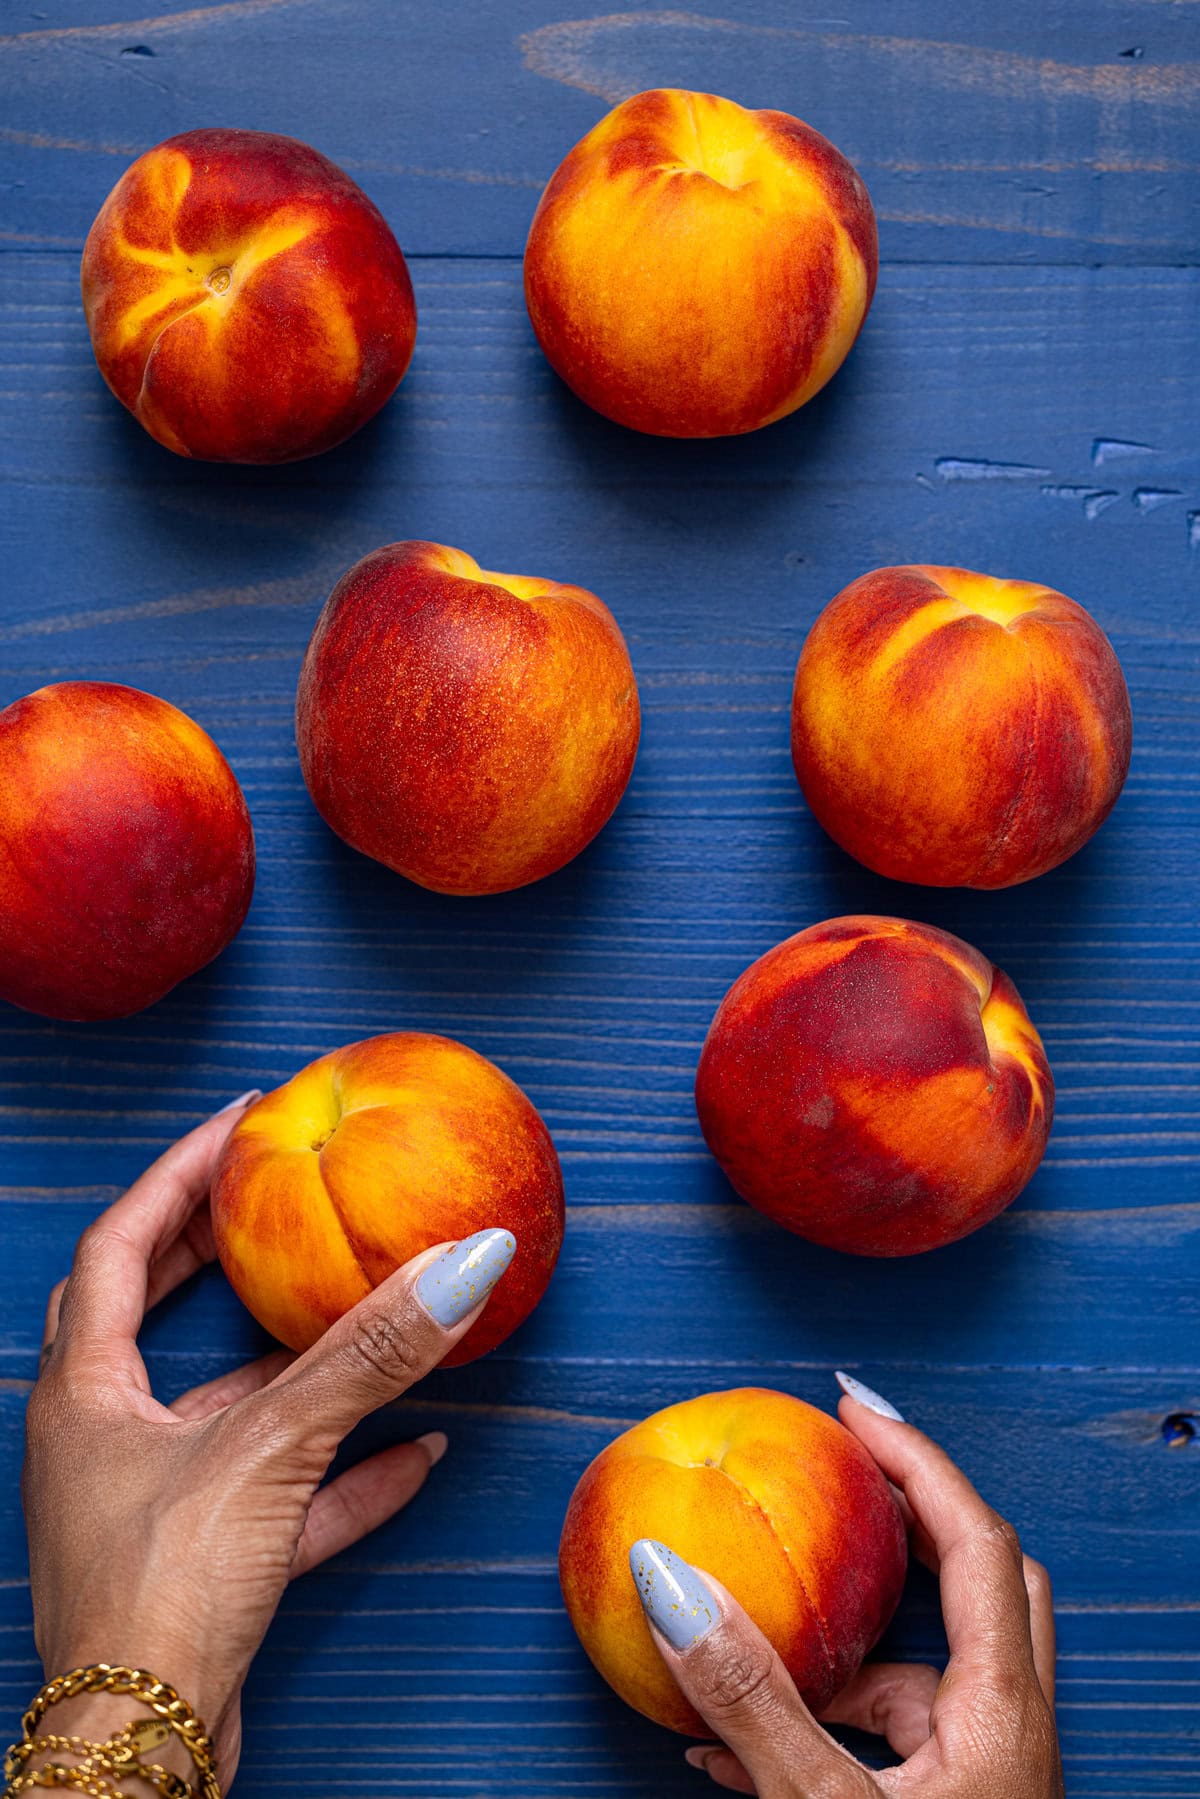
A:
x: 982, y: 1730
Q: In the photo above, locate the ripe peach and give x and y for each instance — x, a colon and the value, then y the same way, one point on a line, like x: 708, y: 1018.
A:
x: 246, y: 301
x: 958, y: 730
x: 471, y: 730
x: 695, y: 270
x: 126, y: 851
x: 370, y: 1155
x: 876, y: 1086
x: 773, y: 1498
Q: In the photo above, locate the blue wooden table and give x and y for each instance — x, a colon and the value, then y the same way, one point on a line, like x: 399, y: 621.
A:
x: 1024, y: 400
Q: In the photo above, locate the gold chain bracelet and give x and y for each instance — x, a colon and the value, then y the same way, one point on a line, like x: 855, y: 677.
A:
x: 119, y: 1758
x: 57, y: 1774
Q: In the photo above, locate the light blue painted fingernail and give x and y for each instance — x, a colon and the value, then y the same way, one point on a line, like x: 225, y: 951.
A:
x: 464, y: 1275
x: 675, y: 1598
x: 874, y: 1402
x: 243, y: 1099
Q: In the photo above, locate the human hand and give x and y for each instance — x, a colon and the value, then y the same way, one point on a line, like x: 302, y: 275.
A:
x: 982, y: 1730
x: 163, y: 1537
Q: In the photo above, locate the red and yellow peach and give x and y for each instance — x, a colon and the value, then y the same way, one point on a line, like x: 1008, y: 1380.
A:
x: 370, y: 1155
x: 246, y: 301
x: 471, y: 730
x: 958, y: 730
x: 776, y: 1500
x: 695, y: 269
x: 126, y: 850
x: 875, y: 1086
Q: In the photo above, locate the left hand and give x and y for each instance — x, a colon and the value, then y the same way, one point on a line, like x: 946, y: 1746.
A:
x: 163, y: 1536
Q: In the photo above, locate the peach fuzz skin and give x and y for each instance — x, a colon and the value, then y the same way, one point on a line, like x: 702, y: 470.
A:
x: 776, y: 1500
x: 876, y: 1086
x: 957, y: 730
x: 697, y: 270
x: 473, y: 731
x: 126, y: 850
x: 370, y: 1155
x: 246, y: 301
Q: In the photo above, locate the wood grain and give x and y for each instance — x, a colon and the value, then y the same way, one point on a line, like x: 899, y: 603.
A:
x: 1018, y: 134
x: 1023, y: 401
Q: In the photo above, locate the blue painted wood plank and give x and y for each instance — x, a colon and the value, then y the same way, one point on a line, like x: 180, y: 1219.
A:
x: 1037, y: 1290
x: 1018, y: 133
x: 595, y: 988
x: 450, y: 1613
x: 1023, y: 400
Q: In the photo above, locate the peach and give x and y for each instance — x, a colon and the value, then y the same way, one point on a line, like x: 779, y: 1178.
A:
x: 126, y: 850
x: 246, y: 301
x: 773, y: 1498
x: 370, y: 1155
x: 696, y: 270
x: 876, y: 1086
x: 959, y: 730
x: 471, y: 730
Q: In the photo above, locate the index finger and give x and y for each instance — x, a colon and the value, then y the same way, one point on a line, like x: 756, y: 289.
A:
x: 976, y: 1552
x: 734, y: 1677
x: 104, y: 1301
x: 388, y: 1341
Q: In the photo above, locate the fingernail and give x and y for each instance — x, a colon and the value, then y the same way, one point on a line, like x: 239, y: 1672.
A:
x: 435, y: 1444
x: 243, y: 1099
x: 874, y: 1402
x: 700, y: 1754
x: 674, y: 1597
x: 465, y: 1274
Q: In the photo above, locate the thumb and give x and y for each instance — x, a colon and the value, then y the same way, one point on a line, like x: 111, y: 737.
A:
x: 388, y: 1341
x: 736, y: 1681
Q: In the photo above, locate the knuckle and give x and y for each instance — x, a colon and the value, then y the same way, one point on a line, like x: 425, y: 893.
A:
x: 53, y: 1420
x: 37, y: 1412
x: 92, y: 1238
x: 996, y: 1533
x: 54, y: 1395
x: 384, y: 1347
x: 741, y: 1678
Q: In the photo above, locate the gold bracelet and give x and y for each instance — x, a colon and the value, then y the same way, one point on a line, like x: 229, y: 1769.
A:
x: 126, y: 1749
x: 57, y: 1774
x: 120, y: 1755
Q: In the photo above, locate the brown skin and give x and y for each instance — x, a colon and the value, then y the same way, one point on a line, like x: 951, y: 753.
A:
x: 982, y: 1730
x: 197, y: 1515
x: 174, y: 1552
